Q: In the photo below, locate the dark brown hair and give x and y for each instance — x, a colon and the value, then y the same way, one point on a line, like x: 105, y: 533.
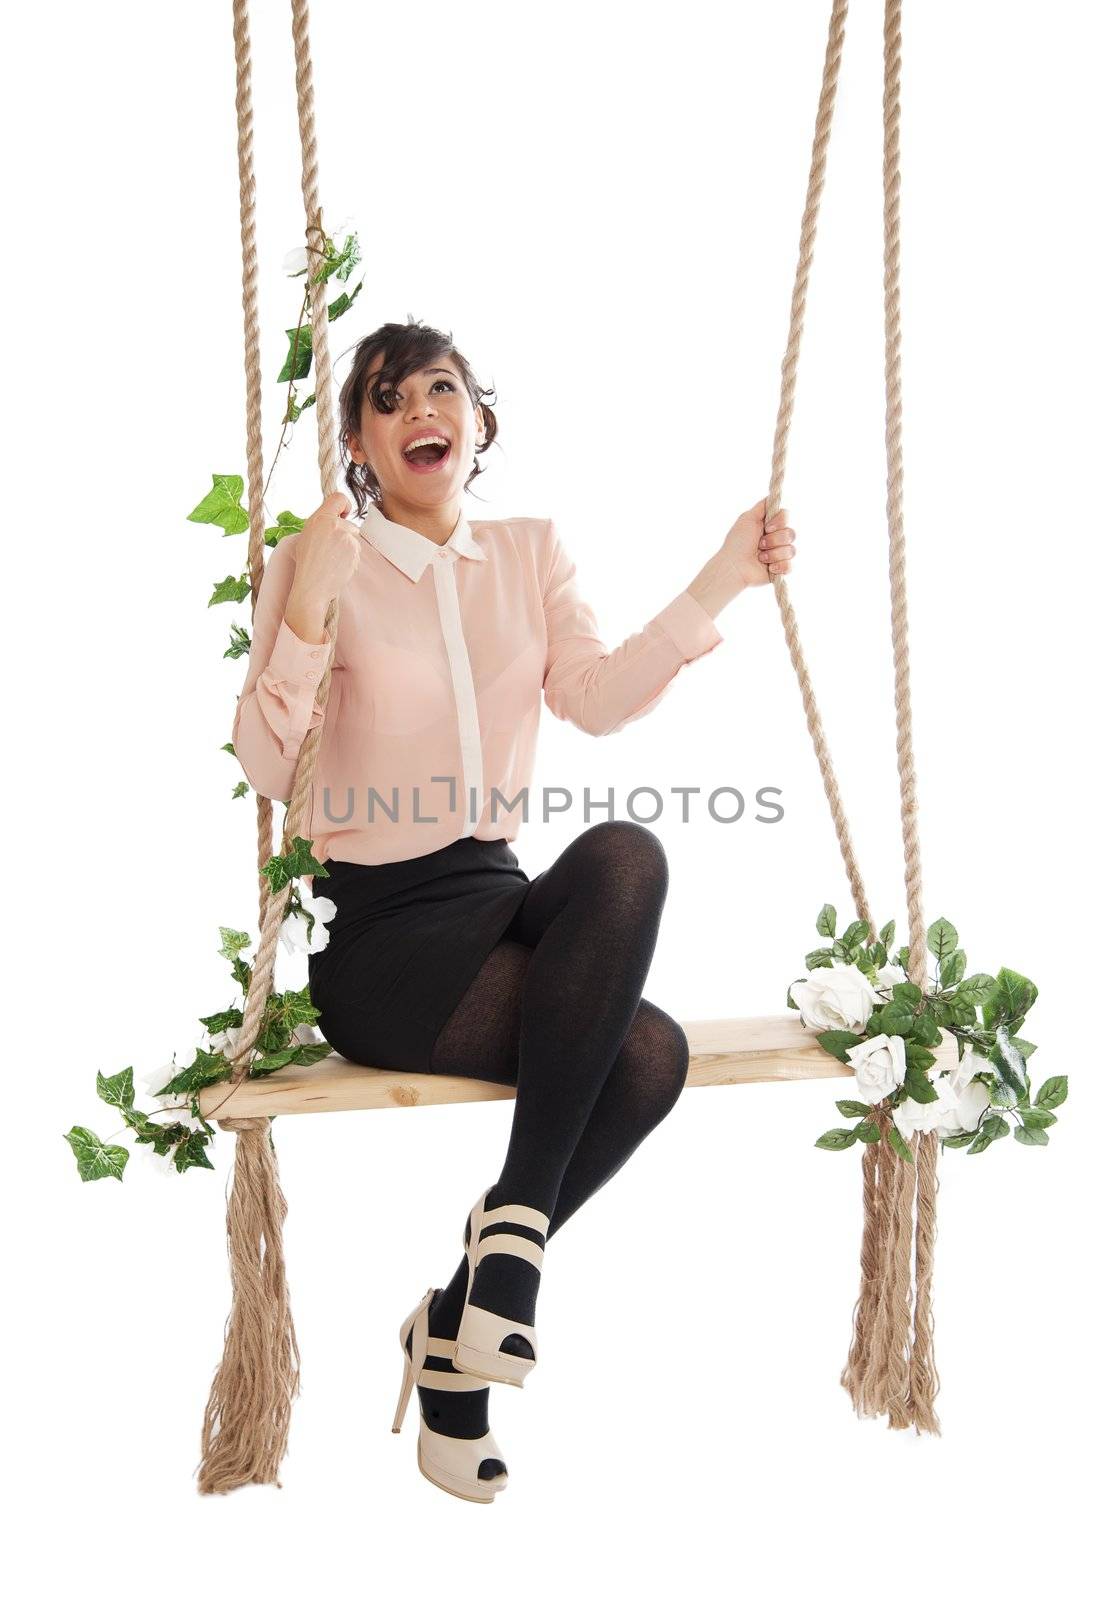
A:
x: 406, y: 347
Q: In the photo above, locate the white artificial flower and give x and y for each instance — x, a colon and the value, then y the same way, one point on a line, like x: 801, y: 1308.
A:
x: 835, y: 997
x: 879, y: 1064
x: 971, y: 1094
x: 294, y: 932
x: 296, y: 260
x: 154, y: 1079
x: 889, y: 974
x: 226, y: 1041
x: 916, y: 1116
x: 305, y: 1033
x: 148, y: 1159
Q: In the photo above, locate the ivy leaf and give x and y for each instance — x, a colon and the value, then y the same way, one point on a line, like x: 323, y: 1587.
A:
x: 116, y: 1091
x: 222, y: 1021
x: 1052, y: 1093
x: 239, y: 642
x: 230, y: 589
x: 230, y: 748
x: 285, y: 523
x: 300, y: 1055
x: 299, y: 861
x: 239, y: 790
x: 299, y: 354
x: 191, y: 1152
x: 836, y: 1139
x: 899, y: 1144
x: 826, y: 921
x: 222, y: 505
x: 942, y: 938
x: 209, y: 1066
x: 343, y: 302
x: 94, y: 1159
x: 233, y: 942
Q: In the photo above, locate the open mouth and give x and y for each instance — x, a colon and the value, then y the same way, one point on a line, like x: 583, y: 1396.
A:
x: 427, y: 457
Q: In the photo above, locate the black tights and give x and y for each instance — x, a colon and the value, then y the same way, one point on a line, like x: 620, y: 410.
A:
x: 556, y: 1009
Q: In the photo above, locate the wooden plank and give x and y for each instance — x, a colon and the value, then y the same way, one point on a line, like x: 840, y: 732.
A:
x: 731, y: 1050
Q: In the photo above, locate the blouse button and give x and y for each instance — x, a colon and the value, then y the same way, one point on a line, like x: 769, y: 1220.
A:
x: 315, y: 652
x: 311, y: 674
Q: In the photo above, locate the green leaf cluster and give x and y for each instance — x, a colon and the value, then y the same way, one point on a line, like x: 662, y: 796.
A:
x: 983, y: 1010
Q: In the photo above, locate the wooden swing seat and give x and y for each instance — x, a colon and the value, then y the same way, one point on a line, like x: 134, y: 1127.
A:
x: 732, y: 1050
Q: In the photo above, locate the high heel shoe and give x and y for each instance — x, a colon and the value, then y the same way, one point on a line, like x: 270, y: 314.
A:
x: 481, y: 1333
x: 451, y: 1464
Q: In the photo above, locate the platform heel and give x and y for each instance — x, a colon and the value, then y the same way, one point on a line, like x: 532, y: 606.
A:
x: 481, y: 1333
x: 451, y: 1464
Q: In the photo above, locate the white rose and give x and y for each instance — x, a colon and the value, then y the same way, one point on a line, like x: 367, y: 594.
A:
x: 889, y: 974
x: 879, y: 1064
x: 305, y: 1033
x: 294, y: 932
x: 971, y: 1095
x: 915, y: 1116
x: 296, y: 260
x: 150, y: 1161
x: 835, y: 997
x: 226, y: 1042
x: 156, y: 1077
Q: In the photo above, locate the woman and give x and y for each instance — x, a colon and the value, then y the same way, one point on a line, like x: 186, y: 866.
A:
x: 444, y: 956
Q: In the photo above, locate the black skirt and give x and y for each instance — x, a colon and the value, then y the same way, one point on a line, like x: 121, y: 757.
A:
x: 405, y: 944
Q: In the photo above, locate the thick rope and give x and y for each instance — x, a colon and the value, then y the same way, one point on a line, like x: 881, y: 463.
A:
x: 247, y: 1418
x: 888, y: 1369
x: 814, y: 189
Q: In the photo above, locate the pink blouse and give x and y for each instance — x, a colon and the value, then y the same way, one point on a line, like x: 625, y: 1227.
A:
x: 443, y: 655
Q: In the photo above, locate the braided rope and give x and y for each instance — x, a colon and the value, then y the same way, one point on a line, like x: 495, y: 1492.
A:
x: 273, y: 905
x: 814, y: 189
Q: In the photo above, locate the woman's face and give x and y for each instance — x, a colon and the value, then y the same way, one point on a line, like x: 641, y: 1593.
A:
x: 431, y: 401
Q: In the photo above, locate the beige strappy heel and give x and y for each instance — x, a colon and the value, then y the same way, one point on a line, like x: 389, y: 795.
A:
x: 481, y: 1333
x: 450, y: 1464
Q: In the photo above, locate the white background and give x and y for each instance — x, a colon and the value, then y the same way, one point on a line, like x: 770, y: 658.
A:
x: 601, y: 202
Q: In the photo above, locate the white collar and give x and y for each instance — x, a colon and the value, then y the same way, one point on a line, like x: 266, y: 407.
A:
x: 410, y: 551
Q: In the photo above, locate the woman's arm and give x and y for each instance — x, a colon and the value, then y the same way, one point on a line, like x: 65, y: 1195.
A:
x: 597, y: 689
x: 276, y: 707
x: 601, y: 690
x: 752, y: 550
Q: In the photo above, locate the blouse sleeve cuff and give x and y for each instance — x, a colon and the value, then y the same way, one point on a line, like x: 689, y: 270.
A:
x: 295, y: 660
x: 689, y: 625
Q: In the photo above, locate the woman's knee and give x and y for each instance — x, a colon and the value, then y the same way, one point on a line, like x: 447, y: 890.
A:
x: 623, y: 852
x: 657, y: 1058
